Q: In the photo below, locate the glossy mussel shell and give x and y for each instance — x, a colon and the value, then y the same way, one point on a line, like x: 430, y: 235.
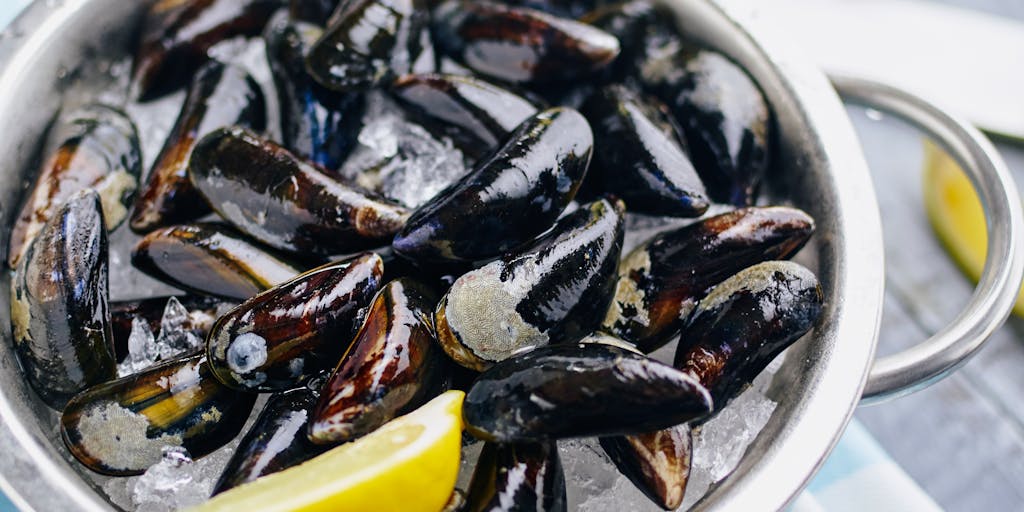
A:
x: 393, y: 366
x: 745, y: 322
x: 176, y: 35
x: 59, y: 313
x: 202, y: 313
x: 509, y: 198
x: 120, y: 427
x: 289, y: 204
x: 520, y: 45
x: 661, y: 280
x: 658, y: 463
x: 555, y: 292
x: 278, y: 339
x: 277, y: 441
x: 312, y: 11
x: 210, y: 259
x: 637, y: 155
x: 93, y: 147
x: 522, y: 477
x: 220, y: 95
x: 580, y: 390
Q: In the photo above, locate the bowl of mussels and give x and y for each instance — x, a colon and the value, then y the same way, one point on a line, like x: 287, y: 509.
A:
x: 426, y: 255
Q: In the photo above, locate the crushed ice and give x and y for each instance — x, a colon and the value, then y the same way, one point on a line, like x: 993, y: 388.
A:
x: 175, y: 339
x: 171, y: 484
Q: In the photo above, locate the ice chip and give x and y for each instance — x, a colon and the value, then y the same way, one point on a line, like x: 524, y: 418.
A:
x: 168, y: 484
x: 142, y: 349
x: 176, y: 338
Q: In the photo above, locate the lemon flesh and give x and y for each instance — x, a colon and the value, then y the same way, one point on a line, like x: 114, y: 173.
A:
x: 409, y: 464
x: 956, y: 215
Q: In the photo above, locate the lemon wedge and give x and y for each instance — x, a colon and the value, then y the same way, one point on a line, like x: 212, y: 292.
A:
x: 409, y: 464
x: 956, y: 215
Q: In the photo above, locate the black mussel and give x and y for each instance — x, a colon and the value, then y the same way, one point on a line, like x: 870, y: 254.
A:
x: 289, y: 205
x: 580, y: 390
x: 312, y: 11
x: 556, y: 291
x: 220, y: 95
x: 725, y: 116
x: 176, y: 35
x: 745, y: 322
x: 524, y: 477
x: 120, y: 427
x: 94, y: 147
x: 520, y: 45
x: 277, y: 441
x: 511, y: 196
x: 637, y: 155
x: 367, y: 42
x: 658, y: 463
x: 317, y: 124
x: 194, y: 314
x: 393, y: 366
x: 281, y: 337
x: 661, y: 281
x: 59, y: 312
x: 566, y: 8
x: 210, y: 259
x: 476, y: 114
x: 639, y: 25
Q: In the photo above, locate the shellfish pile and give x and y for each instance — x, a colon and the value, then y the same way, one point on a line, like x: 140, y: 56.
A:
x: 321, y: 275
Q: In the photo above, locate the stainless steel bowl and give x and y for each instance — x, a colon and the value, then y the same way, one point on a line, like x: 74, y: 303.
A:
x: 822, y: 171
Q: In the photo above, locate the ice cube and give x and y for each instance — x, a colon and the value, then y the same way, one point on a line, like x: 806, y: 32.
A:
x: 169, y: 485
x: 142, y: 349
x: 176, y: 336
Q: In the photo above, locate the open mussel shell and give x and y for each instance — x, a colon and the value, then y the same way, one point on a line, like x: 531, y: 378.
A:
x: 177, y: 34
x: 369, y: 41
x: 281, y: 337
x: 658, y: 463
x: 202, y: 313
x: 520, y: 45
x: 121, y: 427
x: 93, y: 147
x: 289, y: 204
x: 727, y: 120
x: 556, y: 291
x: 210, y: 259
x: 580, y: 390
x: 637, y: 155
x: 220, y: 95
x: 312, y: 11
x: 277, y: 441
x: 522, y: 477
x: 511, y: 196
x: 745, y: 322
x: 393, y: 366
x: 317, y: 124
x: 661, y: 280
x: 59, y: 314
x: 476, y: 114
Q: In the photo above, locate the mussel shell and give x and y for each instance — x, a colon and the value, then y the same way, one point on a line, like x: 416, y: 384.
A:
x: 120, y: 428
x: 637, y: 156
x: 476, y: 114
x: 278, y: 339
x: 177, y: 34
x: 367, y: 42
x: 580, y: 390
x: 289, y: 205
x: 59, y: 313
x: 220, y: 95
x: 312, y: 11
x: 393, y: 366
x: 93, y: 147
x: 524, y: 477
x: 745, y: 322
x: 202, y: 313
x: 276, y: 441
x: 520, y: 45
x: 210, y: 259
x: 640, y: 26
x: 661, y: 280
x: 557, y: 291
x: 565, y: 8
x: 316, y: 124
x: 658, y: 463
x: 727, y: 120
x: 511, y: 196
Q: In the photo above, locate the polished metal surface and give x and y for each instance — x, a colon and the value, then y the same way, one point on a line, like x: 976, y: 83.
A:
x: 916, y: 368
x: 822, y: 170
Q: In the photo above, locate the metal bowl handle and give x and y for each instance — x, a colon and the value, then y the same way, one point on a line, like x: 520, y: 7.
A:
x: 922, y: 365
